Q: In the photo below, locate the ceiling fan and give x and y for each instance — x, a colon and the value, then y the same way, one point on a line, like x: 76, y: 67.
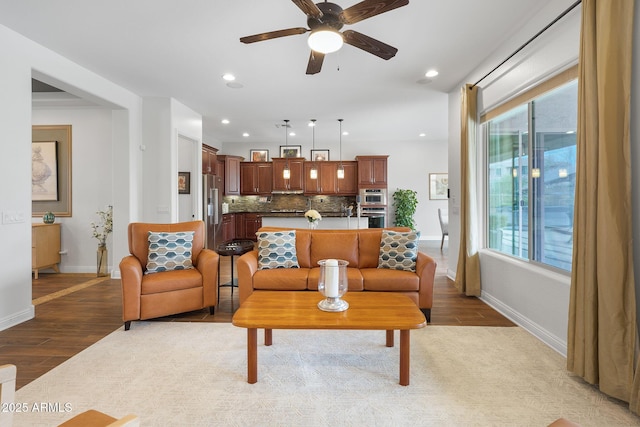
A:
x: 325, y: 19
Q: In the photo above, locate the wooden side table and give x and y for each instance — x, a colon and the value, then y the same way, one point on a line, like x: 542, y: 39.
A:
x: 45, y: 247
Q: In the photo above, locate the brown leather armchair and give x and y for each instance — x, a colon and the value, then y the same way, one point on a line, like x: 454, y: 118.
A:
x: 146, y: 296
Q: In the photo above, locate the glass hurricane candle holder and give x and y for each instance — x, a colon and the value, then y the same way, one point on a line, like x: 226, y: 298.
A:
x: 333, y: 284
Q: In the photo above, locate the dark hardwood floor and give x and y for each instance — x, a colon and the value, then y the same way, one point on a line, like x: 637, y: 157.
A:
x: 73, y: 311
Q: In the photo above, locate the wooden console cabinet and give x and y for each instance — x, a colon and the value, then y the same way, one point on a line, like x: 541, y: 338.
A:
x: 45, y: 247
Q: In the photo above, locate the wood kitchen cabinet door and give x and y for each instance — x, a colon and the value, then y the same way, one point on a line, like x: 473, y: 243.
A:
x: 349, y: 185
x: 256, y: 178
x: 296, y: 182
x: 372, y: 171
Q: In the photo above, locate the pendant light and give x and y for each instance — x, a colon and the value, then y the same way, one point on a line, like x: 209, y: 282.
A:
x: 340, y: 167
x: 313, y: 172
x: 286, y: 172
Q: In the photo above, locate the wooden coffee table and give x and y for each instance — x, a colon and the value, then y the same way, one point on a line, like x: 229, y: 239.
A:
x: 298, y: 310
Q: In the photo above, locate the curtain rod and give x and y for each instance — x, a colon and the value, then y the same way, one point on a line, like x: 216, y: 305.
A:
x: 529, y: 41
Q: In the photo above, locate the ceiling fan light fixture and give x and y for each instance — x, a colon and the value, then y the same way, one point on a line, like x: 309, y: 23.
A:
x: 325, y: 41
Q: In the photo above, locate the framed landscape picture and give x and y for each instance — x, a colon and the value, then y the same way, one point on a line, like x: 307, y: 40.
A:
x: 320, y: 155
x: 259, y: 155
x: 290, y: 151
x: 438, y: 185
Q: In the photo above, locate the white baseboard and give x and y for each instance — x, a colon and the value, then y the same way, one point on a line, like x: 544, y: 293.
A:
x: 533, y: 328
x: 17, y: 318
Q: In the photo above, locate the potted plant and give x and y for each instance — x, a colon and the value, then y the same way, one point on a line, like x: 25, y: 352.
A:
x: 405, y: 203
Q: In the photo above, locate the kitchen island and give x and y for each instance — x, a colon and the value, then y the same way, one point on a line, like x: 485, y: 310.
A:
x: 327, y: 222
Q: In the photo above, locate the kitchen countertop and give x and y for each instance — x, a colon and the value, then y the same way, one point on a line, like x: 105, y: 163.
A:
x: 295, y: 214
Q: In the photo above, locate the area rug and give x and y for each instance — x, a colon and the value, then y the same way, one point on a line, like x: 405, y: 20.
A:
x: 194, y: 374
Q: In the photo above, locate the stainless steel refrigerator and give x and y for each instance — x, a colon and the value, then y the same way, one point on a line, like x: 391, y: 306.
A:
x: 212, y: 205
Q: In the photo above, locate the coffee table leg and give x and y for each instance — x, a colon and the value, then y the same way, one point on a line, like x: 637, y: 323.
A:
x: 268, y: 336
x: 252, y: 355
x: 390, y: 338
x: 405, y: 344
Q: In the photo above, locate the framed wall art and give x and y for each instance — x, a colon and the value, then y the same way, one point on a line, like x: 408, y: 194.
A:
x: 51, y: 170
x: 320, y: 155
x: 259, y: 155
x: 438, y: 186
x: 290, y: 150
x: 184, y: 182
x: 44, y: 171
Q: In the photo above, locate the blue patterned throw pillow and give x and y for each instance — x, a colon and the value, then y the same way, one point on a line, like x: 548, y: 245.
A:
x: 169, y: 251
x: 277, y: 250
x: 399, y: 250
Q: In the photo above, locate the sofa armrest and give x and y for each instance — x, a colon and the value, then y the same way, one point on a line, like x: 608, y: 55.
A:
x: 426, y: 271
x: 207, y: 264
x: 131, y: 279
x: 247, y: 266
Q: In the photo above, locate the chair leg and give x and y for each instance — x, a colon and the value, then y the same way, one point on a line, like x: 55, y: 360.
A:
x: 127, y: 325
x: 427, y: 314
x: 442, y: 243
x: 212, y: 310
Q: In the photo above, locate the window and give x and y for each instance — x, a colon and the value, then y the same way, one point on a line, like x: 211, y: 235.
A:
x: 531, y: 180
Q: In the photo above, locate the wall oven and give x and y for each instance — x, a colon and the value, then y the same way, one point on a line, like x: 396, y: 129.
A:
x: 377, y: 216
x: 373, y: 196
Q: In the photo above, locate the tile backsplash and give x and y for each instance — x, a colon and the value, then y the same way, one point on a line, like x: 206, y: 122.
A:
x: 280, y: 202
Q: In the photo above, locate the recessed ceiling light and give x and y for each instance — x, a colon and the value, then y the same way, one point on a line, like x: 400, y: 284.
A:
x: 311, y: 124
x: 431, y: 73
x: 345, y: 133
x: 225, y: 121
x: 292, y: 134
x: 423, y: 134
x: 228, y: 77
x: 246, y: 134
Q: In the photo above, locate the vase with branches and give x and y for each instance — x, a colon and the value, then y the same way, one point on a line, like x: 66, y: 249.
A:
x: 101, y: 231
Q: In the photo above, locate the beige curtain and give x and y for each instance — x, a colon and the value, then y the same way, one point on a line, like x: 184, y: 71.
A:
x: 602, y: 311
x: 468, y: 269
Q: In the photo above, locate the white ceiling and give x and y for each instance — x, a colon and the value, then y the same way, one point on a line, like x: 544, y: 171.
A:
x: 181, y: 48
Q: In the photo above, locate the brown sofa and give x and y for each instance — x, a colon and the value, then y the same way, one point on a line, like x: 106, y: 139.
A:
x: 146, y: 296
x: 360, y: 247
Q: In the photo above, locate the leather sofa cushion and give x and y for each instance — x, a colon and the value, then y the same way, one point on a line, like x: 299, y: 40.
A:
x: 369, y: 246
x: 334, y: 245
x: 353, y: 276
x: 291, y: 279
x: 170, y: 281
x: 382, y: 279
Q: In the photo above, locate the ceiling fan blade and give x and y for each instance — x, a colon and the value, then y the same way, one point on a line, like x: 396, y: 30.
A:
x: 369, y: 44
x: 368, y: 8
x: 308, y: 7
x: 315, y: 62
x: 273, y: 35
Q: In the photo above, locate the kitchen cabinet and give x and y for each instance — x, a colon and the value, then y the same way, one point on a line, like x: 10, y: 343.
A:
x: 252, y: 223
x: 209, y: 160
x: 256, y: 178
x: 349, y: 185
x: 327, y: 182
x: 45, y: 247
x: 228, y: 227
x: 231, y: 174
x: 372, y: 171
x: 295, y: 184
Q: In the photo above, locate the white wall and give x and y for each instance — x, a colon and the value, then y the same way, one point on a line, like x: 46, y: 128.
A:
x: 164, y: 119
x: 19, y: 60
x: 92, y: 172
x: 532, y: 296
